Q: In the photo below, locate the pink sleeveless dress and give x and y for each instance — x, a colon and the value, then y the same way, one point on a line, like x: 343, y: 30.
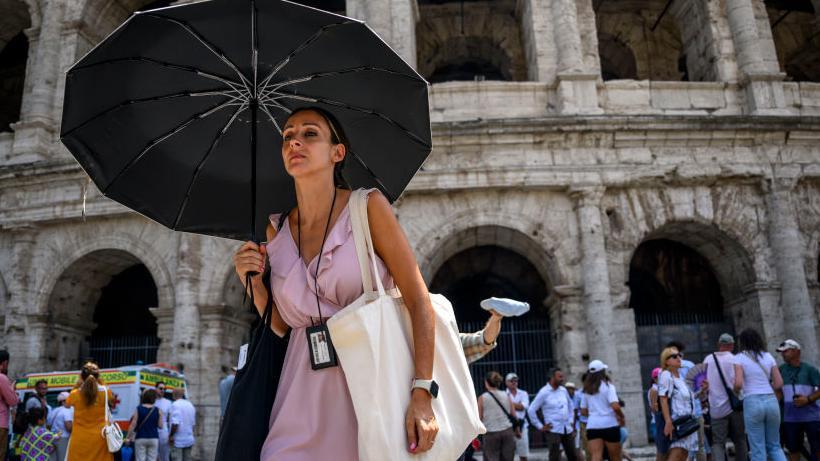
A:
x: 312, y: 416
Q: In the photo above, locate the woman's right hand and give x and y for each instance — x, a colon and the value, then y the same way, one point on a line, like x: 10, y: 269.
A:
x: 249, y: 258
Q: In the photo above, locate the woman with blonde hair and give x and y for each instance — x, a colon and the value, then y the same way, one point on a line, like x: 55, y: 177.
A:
x: 676, y: 401
x: 88, y: 400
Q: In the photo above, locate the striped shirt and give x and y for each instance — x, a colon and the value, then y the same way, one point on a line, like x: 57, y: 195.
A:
x: 474, y: 345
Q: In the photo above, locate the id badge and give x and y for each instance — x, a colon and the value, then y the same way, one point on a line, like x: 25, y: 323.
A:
x: 322, y: 354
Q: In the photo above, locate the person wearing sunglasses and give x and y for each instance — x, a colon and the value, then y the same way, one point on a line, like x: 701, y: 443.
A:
x: 676, y: 401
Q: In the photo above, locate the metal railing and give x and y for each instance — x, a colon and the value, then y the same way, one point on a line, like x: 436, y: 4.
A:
x: 118, y: 351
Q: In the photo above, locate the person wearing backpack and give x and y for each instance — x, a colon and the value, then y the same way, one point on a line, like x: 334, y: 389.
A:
x: 725, y: 408
x: 8, y: 400
x: 756, y: 373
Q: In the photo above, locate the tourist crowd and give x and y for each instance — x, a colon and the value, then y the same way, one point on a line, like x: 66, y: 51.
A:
x: 31, y: 430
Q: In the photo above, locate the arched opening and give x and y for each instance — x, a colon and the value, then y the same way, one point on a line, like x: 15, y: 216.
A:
x: 617, y: 60
x: 13, y: 56
x: 126, y: 331
x: 639, y: 39
x: 686, y: 283
x: 100, y: 309
x: 481, y: 271
x: 796, y: 36
x: 472, y: 40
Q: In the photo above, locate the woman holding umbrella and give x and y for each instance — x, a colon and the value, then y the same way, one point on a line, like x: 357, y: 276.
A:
x: 313, y: 274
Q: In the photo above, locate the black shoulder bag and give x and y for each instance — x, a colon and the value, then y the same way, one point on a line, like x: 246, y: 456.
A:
x: 247, y: 415
x: 734, y: 401
x: 684, y: 425
x: 517, y: 424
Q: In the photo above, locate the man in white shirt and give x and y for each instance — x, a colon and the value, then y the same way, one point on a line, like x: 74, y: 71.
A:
x: 559, y: 420
x: 183, y: 420
x: 725, y: 422
x: 163, y: 405
x: 521, y: 401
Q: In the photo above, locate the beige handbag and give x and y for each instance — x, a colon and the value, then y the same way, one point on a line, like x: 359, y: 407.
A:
x: 373, y: 338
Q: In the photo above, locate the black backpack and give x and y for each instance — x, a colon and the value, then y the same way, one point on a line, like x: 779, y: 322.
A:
x: 21, y: 415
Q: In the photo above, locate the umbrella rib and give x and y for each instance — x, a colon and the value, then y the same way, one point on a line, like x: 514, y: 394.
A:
x: 202, y: 161
x: 235, y: 85
x: 335, y: 73
x: 206, y: 43
x: 299, y: 49
x: 372, y: 174
x: 142, y: 100
x: 275, y: 104
x: 163, y: 137
x: 359, y: 109
x: 272, y: 119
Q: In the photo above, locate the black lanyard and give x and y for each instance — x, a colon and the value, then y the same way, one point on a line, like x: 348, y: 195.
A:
x: 319, y: 257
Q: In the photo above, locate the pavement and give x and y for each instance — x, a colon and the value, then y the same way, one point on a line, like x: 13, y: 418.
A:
x: 645, y: 453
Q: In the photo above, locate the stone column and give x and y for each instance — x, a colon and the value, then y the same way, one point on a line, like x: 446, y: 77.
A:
x: 536, y: 31
x: 760, y: 308
x: 799, y: 321
x: 20, y: 286
x: 36, y: 130
x: 394, y: 21
x: 165, y: 332
x: 576, y: 86
x: 185, y: 345
x: 597, y: 299
x: 568, y: 324
x: 222, y: 330
x: 756, y: 60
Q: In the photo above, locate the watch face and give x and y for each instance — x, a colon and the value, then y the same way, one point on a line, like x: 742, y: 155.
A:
x: 434, y: 389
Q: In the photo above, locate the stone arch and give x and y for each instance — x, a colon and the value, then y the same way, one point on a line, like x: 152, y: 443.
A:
x: 617, y: 59
x: 457, y: 40
x: 628, y: 25
x: 796, y: 39
x: 509, y: 230
x: 731, y: 262
x: 74, y: 300
x: 137, y: 250
x: 15, y: 22
x: 493, y: 260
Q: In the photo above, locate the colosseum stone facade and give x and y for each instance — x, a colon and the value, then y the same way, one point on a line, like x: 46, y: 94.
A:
x: 640, y: 170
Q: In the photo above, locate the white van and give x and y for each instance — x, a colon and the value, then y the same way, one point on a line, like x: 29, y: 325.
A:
x: 127, y: 384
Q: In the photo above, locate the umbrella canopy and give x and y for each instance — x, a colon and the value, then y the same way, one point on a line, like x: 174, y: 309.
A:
x: 178, y: 113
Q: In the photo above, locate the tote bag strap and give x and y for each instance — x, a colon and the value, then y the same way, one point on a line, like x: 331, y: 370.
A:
x: 105, y: 392
x: 364, y: 242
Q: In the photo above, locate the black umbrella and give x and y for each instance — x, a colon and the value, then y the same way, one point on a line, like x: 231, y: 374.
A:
x: 178, y: 113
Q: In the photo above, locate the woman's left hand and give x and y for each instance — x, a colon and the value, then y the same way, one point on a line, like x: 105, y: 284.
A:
x: 420, y: 422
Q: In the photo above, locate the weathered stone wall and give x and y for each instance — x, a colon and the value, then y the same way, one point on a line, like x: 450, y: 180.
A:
x: 568, y: 171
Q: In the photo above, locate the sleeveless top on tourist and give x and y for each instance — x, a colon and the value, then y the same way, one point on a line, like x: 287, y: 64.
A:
x: 312, y: 416
x: 147, y: 422
x: 495, y: 418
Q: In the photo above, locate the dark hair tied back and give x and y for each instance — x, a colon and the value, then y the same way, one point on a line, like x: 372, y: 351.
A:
x: 337, y: 136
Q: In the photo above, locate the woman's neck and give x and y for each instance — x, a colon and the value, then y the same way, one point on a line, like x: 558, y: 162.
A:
x: 313, y: 198
x: 675, y: 371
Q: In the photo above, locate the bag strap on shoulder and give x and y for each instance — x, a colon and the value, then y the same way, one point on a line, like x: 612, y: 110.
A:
x: 511, y: 417
x: 364, y: 241
x: 720, y: 373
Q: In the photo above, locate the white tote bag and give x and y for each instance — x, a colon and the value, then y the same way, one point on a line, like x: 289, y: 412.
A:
x: 373, y: 338
x: 111, y: 431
